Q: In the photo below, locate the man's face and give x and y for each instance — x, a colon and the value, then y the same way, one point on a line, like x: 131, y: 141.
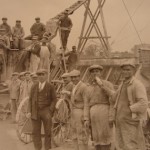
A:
x: 74, y: 48
x: 15, y: 77
x: 4, y: 21
x: 18, y: 23
x: 42, y: 77
x: 95, y: 73
x: 27, y: 76
x: 75, y: 79
x: 38, y: 21
x: 22, y: 78
x: 66, y: 79
x: 128, y: 72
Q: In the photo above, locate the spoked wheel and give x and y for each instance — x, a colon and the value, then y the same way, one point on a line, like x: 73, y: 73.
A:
x: 61, y: 124
x: 24, y: 126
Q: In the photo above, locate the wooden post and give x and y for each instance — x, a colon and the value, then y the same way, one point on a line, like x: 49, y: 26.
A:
x: 63, y: 53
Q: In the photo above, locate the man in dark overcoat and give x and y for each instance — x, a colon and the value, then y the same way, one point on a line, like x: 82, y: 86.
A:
x: 42, y: 102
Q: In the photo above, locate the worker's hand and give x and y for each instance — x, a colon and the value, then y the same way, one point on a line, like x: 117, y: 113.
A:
x: 87, y: 123
x: 65, y: 92
x: 98, y: 80
x: 28, y: 115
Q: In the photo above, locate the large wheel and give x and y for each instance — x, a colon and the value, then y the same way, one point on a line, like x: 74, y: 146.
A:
x: 61, y: 123
x: 24, y: 126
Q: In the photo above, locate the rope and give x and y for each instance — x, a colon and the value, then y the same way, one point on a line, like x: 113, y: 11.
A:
x: 132, y: 22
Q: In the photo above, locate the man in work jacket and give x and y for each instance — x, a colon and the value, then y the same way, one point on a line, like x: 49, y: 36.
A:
x: 131, y: 104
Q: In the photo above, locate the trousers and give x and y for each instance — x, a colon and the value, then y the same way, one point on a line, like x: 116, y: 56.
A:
x: 64, y: 37
x: 13, y: 109
x: 44, y: 117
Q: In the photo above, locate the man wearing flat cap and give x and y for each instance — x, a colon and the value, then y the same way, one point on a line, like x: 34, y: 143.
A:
x: 5, y: 26
x: 98, y: 109
x: 131, y: 104
x: 38, y: 29
x: 17, y: 35
x: 67, y: 86
x: 14, y: 89
x: 131, y: 107
x: 25, y: 86
x: 42, y: 102
x: 78, y: 95
x: 65, y: 28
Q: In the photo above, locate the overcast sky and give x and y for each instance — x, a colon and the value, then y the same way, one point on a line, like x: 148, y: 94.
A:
x: 115, y: 17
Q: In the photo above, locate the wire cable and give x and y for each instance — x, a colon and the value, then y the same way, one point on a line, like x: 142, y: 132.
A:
x: 124, y: 26
x: 132, y: 22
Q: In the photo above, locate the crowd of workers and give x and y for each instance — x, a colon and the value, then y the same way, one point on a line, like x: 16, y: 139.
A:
x: 96, y: 107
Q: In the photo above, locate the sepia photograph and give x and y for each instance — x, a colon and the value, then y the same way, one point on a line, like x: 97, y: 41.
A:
x: 74, y: 74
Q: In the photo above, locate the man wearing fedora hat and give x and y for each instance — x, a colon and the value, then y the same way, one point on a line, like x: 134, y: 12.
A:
x: 65, y: 28
x: 17, y: 35
x: 98, y: 109
x: 42, y: 102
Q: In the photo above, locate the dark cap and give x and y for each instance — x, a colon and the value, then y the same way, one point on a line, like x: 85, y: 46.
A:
x: 128, y: 64
x: 4, y: 18
x: 18, y: 20
x: 37, y: 18
x: 43, y: 71
x: 95, y: 67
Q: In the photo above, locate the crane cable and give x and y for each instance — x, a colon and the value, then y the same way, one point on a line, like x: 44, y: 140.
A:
x: 127, y: 22
x: 132, y: 22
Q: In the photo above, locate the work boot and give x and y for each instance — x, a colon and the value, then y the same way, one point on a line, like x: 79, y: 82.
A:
x: 83, y: 147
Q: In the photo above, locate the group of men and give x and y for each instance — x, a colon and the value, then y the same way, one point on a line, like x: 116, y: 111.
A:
x: 19, y: 88
x: 95, y: 108
x: 14, y: 37
x: 16, y: 34
x: 98, y: 107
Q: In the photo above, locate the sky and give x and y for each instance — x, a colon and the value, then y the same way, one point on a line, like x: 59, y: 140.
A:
x: 119, y: 27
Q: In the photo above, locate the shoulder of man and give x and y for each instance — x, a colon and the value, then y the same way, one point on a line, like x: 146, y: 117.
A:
x: 137, y: 82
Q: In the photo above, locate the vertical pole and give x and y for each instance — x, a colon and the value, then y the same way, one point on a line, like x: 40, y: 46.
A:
x: 63, y: 55
x: 83, y: 26
x: 103, y: 23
